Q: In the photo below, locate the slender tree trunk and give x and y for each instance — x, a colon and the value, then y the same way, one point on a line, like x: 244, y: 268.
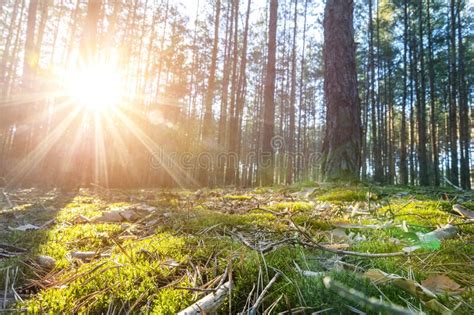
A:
x: 291, y: 141
x: 242, y: 85
x: 453, y: 127
x: 434, y: 138
x: 464, y: 130
x: 267, y: 153
x: 421, y: 112
x: 341, y: 150
x: 232, y: 159
x: 299, y: 159
x: 207, y: 137
x: 403, y: 132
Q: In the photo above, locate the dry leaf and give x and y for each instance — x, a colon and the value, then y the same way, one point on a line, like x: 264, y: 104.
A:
x: 440, y: 284
x: 112, y: 216
x: 414, y: 288
x: 81, y: 219
x: 436, y: 306
x: 46, y: 261
x: 378, y: 276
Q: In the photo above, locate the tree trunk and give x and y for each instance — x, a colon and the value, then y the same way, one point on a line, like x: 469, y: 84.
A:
x: 403, y: 132
x: 464, y: 130
x: 423, y: 163
x: 207, y: 138
x: 266, y: 161
x: 434, y: 138
x: 341, y: 150
x: 453, y: 127
x: 291, y: 137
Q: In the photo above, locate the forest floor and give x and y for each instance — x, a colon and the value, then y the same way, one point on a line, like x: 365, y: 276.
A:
x: 295, y: 250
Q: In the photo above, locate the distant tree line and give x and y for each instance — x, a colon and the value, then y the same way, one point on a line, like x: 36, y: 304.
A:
x: 235, y: 93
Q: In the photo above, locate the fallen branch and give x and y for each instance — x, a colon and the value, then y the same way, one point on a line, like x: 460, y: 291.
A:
x: 263, y: 249
x: 87, y: 255
x: 7, y: 199
x: 253, y: 309
x: 369, y: 302
x: 451, y: 184
x: 348, y: 252
x: 210, y: 303
x: 312, y: 243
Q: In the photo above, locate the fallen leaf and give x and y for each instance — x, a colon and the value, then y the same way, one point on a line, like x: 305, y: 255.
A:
x: 408, y: 285
x: 110, y: 217
x: 440, y: 284
x: 339, y: 234
x: 436, y: 306
x: 81, y: 219
x: 414, y: 288
x: 378, y: 276
x: 46, y: 261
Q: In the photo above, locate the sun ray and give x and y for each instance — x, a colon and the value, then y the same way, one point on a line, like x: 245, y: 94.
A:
x: 32, y: 160
x: 179, y: 175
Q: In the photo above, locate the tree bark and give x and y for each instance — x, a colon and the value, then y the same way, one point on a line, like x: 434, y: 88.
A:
x: 341, y: 149
x: 291, y: 137
x: 403, y: 132
x: 453, y: 127
x: 207, y: 138
x: 267, y: 153
x: 434, y: 138
x: 421, y: 114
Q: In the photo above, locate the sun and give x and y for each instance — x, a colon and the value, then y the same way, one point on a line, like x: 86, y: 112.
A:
x: 95, y: 88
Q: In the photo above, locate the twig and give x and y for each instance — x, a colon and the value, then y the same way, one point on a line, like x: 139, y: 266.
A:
x: 253, y: 309
x: 348, y: 252
x: 451, y: 184
x: 265, y: 249
x: 5, y: 196
x: 360, y: 298
x: 210, y: 302
x: 312, y: 243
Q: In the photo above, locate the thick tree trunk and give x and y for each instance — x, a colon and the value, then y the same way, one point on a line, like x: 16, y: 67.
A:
x: 341, y: 150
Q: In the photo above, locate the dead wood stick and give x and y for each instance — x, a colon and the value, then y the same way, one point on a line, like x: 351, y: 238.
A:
x: 7, y: 199
x: 12, y: 249
x: 266, y: 248
x: 88, y: 255
x: 348, y: 252
x: 210, y: 303
x: 451, y: 184
x: 360, y: 298
x: 253, y: 309
x: 312, y: 243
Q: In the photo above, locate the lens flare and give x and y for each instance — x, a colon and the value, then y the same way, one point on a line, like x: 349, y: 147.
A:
x: 95, y: 88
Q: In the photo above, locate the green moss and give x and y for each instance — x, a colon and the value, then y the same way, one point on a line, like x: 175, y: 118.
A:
x: 146, y: 272
x: 237, y: 197
x: 338, y: 195
x: 293, y: 206
x: 418, y: 212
